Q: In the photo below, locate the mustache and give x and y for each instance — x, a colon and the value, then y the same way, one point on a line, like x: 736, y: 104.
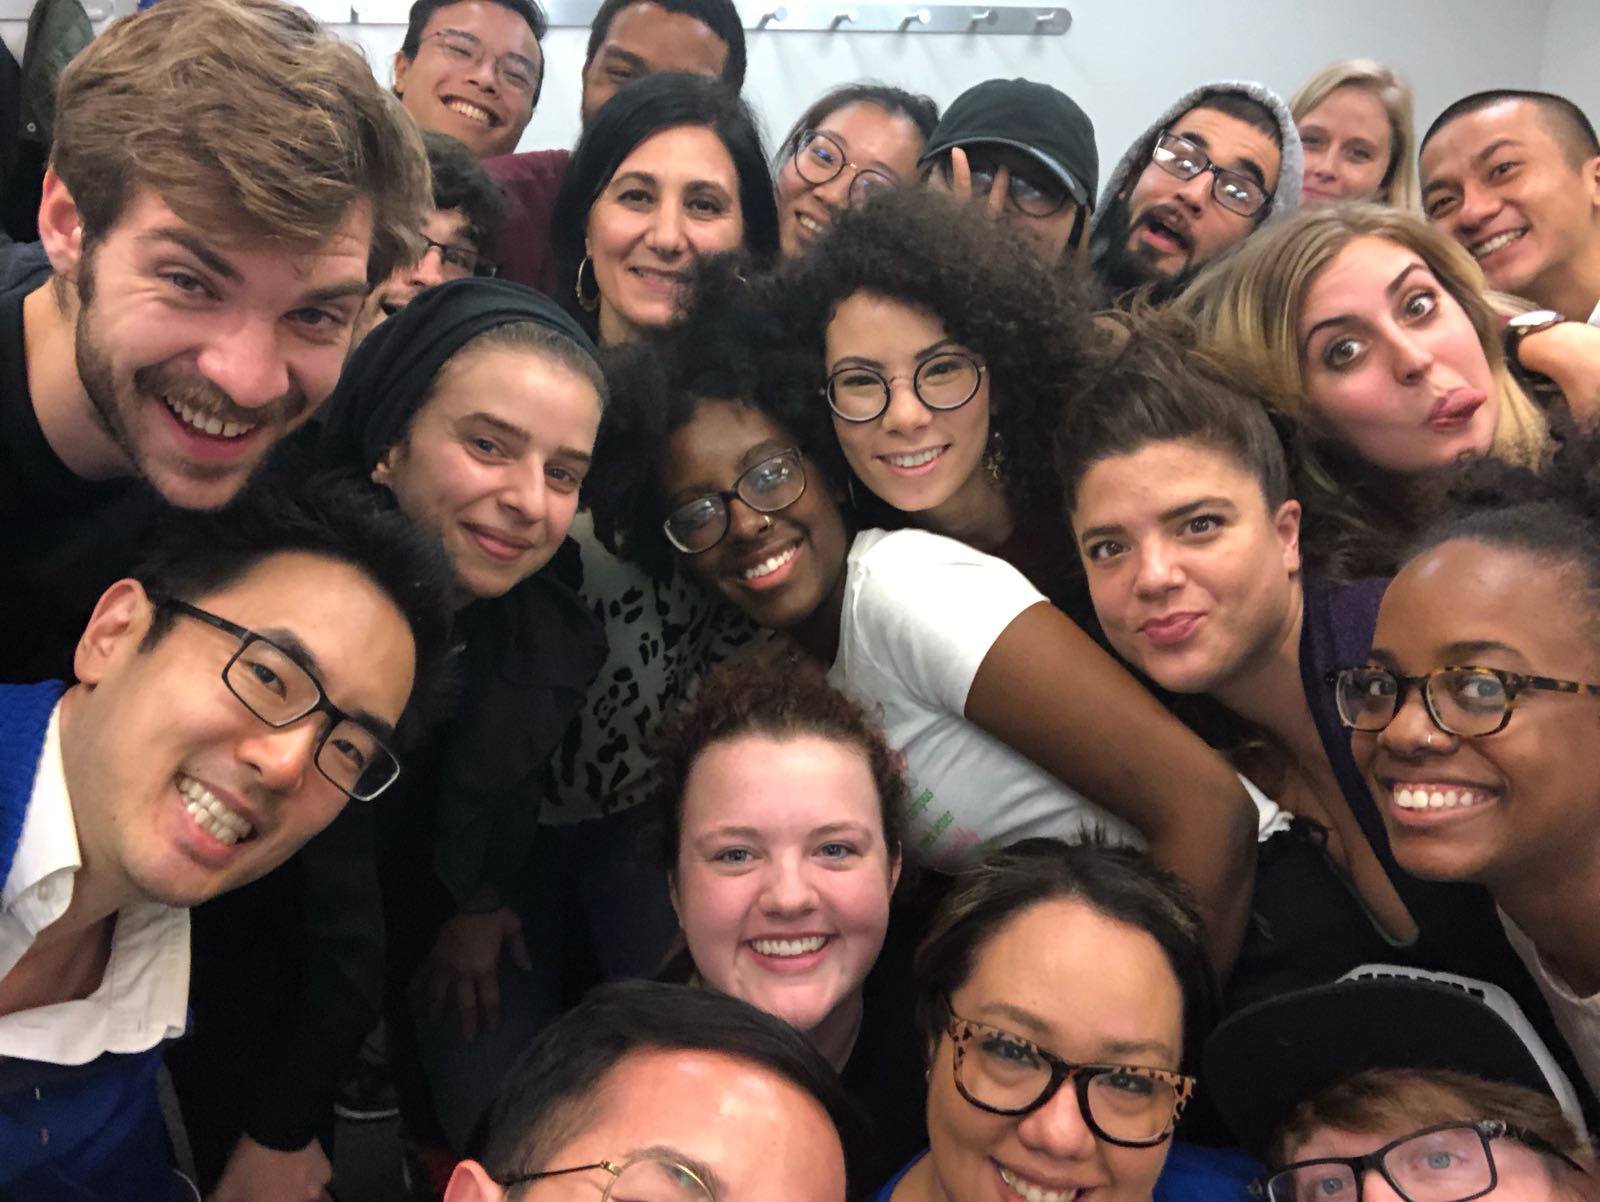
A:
x: 195, y: 392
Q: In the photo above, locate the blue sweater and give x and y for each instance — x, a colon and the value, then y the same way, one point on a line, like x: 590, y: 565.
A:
x: 69, y: 1133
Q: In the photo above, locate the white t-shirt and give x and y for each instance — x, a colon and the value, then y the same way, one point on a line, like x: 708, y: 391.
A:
x: 1577, y: 1018
x: 920, y: 614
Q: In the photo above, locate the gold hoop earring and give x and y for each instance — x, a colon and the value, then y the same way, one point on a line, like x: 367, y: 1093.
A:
x: 587, y: 304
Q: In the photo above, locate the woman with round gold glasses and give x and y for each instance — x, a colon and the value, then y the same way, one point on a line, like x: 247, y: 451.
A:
x: 1477, y: 726
x: 1047, y: 1081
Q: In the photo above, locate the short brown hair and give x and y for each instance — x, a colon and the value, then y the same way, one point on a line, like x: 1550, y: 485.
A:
x: 772, y: 697
x: 248, y: 119
x: 1383, y: 1100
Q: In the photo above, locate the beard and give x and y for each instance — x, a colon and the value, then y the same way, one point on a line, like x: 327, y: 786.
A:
x: 116, y: 398
x: 1128, y: 271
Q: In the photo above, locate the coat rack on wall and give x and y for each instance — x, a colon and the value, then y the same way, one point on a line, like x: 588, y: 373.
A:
x: 776, y: 16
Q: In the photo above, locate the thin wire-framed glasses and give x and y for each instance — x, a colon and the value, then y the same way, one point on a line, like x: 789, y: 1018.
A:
x: 1131, y: 1106
x: 462, y: 259
x: 647, y: 1177
x: 1236, y: 192
x: 944, y: 381
x: 278, y: 689
x: 1464, y: 701
x: 517, y: 72
x: 819, y: 158
x: 1448, y: 1162
x: 1024, y: 195
x: 775, y: 483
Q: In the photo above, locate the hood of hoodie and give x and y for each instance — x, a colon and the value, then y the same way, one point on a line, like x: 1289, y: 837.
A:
x: 1291, y: 168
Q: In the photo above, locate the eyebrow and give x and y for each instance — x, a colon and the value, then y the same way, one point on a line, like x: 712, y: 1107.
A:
x: 1244, y: 163
x: 864, y: 361
x: 1111, y: 1047
x: 1166, y: 515
x: 693, y: 1163
x: 1390, y: 290
x: 294, y: 647
x: 628, y: 57
x: 214, y: 262
x: 1457, y: 652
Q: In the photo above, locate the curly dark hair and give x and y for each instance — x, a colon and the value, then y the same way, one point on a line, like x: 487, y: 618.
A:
x: 779, y: 700
x: 1552, y: 515
x: 984, y: 286
x: 728, y: 346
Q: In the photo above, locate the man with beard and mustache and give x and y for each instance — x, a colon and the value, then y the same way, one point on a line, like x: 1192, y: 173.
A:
x: 1221, y: 161
x: 227, y: 181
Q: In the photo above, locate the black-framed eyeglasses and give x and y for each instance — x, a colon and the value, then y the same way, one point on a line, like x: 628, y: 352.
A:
x: 277, y: 688
x: 1464, y: 701
x: 775, y: 483
x: 947, y: 380
x: 647, y: 1177
x: 1234, y: 191
x: 819, y: 158
x: 1131, y: 1106
x: 1448, y: 1162
x: 519, y: 73
x: 462, y: 258
x: 1023, y: 194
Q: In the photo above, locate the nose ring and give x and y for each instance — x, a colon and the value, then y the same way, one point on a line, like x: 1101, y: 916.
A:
x: 766, y: 522
x: 1430, y: 738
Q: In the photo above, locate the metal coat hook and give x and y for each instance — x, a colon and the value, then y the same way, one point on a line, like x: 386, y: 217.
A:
x: 772, y: 14
x: 845, y: 16
x: 980, y: 16
x: 917, y: 16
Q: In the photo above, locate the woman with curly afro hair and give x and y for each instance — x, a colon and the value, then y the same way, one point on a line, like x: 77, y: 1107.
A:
x: 944, y: 354
x: 1475, y: 718
x: 1011, y: 721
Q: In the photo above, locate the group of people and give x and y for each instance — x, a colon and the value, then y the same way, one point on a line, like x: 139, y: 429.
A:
x: 885, y: 666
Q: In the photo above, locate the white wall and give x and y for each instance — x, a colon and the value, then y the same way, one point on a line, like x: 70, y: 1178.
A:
x: 1125, y: 60
x: 1572, y: 53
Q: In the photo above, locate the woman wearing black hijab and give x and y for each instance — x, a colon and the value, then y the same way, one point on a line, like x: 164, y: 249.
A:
x: 477, y: 407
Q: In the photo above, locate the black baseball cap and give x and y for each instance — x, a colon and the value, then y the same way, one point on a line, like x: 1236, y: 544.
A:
x: 1045, y: 122
x: 1264, y: 1061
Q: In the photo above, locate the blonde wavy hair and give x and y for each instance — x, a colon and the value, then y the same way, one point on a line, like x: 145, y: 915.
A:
x: 1247, y: 308
x: 1399, y: 187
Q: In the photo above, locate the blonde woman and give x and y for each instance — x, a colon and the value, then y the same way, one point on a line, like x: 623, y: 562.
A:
x: 1354, y: 119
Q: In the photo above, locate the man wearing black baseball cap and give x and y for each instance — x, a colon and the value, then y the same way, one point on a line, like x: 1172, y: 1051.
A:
x: 1433, y: 1085
x: 1026, y: 153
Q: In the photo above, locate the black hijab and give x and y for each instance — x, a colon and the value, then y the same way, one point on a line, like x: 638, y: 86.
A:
x: 387, y: 378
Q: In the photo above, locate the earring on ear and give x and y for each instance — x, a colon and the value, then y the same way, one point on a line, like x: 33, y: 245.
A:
x: 994, y: 457
x: 587, y: 304
x: 850, y: 488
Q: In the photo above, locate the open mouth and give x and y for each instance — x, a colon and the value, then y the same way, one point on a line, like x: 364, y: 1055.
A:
x: 212, y: 815
x: 771, y: 564
x: 208, y: 424
x: 1482, y: 250
x: 789, y: 948
x: 1162, y: 232
x: 1033, y: 1192
x: 809, y: 224
x: 915, y: 462
x: 472, y: 112
x: 1418, y: 797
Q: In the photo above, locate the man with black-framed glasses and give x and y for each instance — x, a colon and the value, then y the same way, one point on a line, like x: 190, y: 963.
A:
x: 648, y: 1092
x: 232, y: 696
x: 1220, y: 161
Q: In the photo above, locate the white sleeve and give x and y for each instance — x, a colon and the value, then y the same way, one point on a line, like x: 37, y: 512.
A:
x: 924, y: 611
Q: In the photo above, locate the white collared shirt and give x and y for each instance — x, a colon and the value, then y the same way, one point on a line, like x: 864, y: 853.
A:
x: 1594, y: 318
x: 143, y: 997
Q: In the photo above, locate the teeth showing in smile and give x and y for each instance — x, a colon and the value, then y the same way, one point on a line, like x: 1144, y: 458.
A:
x: 1436, y: 799
x: 768, y: 566
x: 808, y: 224
x: 789, y: 947
x: 1489, y: 245
x: 208, y: 425
x: 471, y: 112
x: 916, y: 458
x: 210, y: 815
x: 1034, y: 1193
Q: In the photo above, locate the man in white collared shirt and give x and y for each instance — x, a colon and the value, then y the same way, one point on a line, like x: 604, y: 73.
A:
x: 230, y: 700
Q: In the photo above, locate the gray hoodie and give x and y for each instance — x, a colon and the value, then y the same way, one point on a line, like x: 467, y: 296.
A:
x: 1285, y: 199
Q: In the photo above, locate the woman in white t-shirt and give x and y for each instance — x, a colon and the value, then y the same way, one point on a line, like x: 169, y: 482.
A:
x: 1011, y: 721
